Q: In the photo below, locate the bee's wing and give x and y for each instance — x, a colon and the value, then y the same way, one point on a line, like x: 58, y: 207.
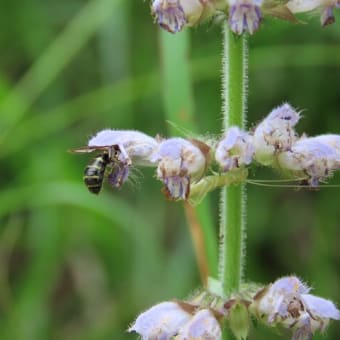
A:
x: 88, y: 149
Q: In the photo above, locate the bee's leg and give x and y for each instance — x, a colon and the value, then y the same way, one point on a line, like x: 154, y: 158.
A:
x: 118, y: 174
x: 123, y: 156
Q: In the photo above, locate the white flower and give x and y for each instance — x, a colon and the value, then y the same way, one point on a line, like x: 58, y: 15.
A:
x: 179, y: 163
x: 316, y: 156
x: 235, y: 149
x: 160, y: 322
x: 275, y: 134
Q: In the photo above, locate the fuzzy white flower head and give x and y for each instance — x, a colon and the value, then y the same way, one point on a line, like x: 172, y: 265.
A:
x: 275, y: 133
x: 173, y: 15
x: 235, y: 149
x: 245, y: 15
x: 203, y: 326
x: 179, y: 163
x: 315, y: 156
x: 326, y: 7
x: 287, y: 302
x: 160, y: 322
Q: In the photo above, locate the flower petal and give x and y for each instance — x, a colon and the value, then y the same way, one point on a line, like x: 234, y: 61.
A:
x: 160, y: 322
x: 203, y: 326
x: 320, y: 307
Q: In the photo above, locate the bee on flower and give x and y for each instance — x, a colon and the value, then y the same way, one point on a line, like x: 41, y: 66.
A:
x: 119, y: 150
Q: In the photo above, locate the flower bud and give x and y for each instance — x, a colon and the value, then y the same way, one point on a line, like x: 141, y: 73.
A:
x: 315, y: 156
x: 203, y: 326
x: 238, y: 318
x: 161, y: 321
x: 179, y: 163
x: 275, y: 134
x: 234, y: 150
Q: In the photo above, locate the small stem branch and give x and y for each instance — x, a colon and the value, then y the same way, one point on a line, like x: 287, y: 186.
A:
x: 233, y: 197
x: 198, y: 241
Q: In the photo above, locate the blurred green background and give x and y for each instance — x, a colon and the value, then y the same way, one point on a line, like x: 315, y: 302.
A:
x: 76, y: 266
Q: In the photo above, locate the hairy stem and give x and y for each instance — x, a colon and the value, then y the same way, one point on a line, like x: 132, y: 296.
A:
x: 233, y: 197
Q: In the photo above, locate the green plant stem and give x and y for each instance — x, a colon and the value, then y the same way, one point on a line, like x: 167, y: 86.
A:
x: 179, y: 109
x: 233, y: 197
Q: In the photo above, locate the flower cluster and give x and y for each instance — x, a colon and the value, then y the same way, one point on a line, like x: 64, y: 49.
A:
x: 274, y: 142
x: 242, y: 15
x: 285, y: 303
x: 182, y: 164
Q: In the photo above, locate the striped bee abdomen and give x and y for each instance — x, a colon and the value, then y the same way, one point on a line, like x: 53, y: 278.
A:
x: 94, y: 173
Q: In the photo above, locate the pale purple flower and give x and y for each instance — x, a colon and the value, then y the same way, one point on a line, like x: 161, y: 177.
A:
x: 202, y: 326
x: 287, y: 302
x: 174, y: 15
x: 277, y: 299
x: 179, y: 163
x: 169, y: 15
x: 275, y: 134
x: 314, y: 156
x: 235, y: 149
x: 160, y: 322
x: 245, y: 15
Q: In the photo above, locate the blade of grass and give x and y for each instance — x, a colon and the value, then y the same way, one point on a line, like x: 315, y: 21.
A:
x: 53, y: 60
x: 179, y: 108
x: 44, y: 241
